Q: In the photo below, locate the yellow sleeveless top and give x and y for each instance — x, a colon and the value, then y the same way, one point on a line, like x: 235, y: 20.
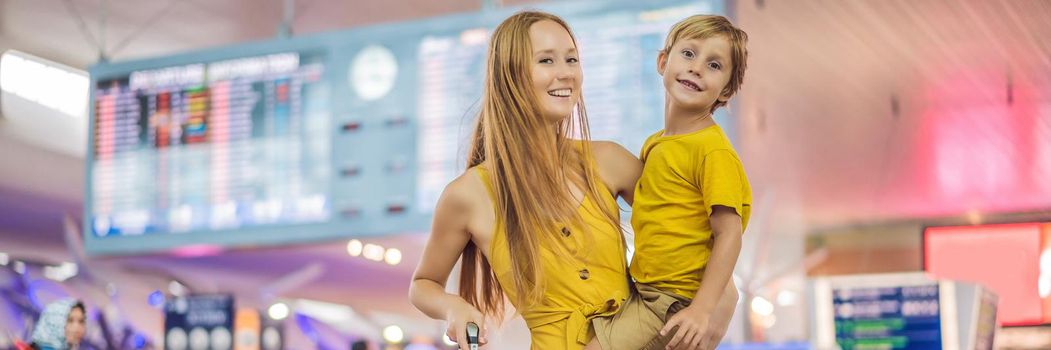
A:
x: 591, y: 281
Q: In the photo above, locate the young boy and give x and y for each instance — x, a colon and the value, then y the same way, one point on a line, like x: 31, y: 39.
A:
x: 692, y: 202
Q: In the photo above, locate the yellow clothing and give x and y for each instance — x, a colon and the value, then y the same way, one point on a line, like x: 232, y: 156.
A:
x: 593, y: 282
x: 683, y: 177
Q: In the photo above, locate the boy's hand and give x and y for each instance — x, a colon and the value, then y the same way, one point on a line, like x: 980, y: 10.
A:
x: 695, y: 329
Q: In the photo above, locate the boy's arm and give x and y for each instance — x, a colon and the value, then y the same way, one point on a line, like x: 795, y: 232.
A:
x: 694, y: 321
x: 726, y: 232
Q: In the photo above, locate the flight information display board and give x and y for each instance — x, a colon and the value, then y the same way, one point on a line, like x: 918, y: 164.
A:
x: 331, y: 135
x: 225, y: 145
x: 905, y: 317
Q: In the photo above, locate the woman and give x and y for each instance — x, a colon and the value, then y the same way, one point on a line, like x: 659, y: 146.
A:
x: 61, y: 326
x: 534, y: 217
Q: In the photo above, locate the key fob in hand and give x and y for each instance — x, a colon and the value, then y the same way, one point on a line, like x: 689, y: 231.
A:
x: 472, y: 335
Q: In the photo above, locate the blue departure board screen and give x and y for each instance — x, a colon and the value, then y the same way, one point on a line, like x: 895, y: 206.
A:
x: 331, y: 135
x: 905, y: 317
x: 226, y: 145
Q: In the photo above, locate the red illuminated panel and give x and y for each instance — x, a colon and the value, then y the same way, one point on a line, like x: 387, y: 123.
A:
x: 1004, y: 258
x: 1045, y: 270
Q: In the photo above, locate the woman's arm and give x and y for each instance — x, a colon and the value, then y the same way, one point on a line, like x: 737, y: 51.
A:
x: 618, y: 168
x: 449, y: 236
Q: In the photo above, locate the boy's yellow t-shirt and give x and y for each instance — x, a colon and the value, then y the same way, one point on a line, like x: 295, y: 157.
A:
x: 683, y: 176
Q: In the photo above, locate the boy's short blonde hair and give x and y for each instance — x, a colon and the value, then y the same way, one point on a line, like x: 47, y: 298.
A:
x: 707, y: 26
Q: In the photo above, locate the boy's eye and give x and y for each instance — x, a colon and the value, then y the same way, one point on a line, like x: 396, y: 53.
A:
x: 715, y: 65
x: 687, y: 53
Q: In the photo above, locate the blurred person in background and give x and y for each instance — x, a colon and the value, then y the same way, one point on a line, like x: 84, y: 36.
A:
x: 61, y: 326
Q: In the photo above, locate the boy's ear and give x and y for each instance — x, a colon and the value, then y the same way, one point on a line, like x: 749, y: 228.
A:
x: 662, y: 61
x: 725, y: 96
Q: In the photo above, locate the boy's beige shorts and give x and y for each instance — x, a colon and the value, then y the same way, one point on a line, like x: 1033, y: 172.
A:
x: 639, y: 322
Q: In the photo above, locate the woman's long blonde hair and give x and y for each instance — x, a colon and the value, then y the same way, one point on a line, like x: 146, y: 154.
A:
x: 531, y: 179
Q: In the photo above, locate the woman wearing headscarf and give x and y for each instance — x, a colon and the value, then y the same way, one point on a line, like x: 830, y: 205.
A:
x: 60, y: 327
